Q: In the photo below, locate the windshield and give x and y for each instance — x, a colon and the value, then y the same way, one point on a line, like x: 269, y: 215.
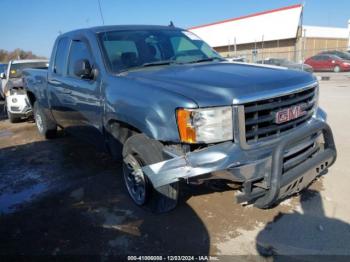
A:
x: 339, y: 54
x: 16, y: 69
x: 343, y: 55
x: 126, y: 50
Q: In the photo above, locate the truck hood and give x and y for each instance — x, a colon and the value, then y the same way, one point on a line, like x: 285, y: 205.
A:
x: 15, y: 83
x: 214, y: 84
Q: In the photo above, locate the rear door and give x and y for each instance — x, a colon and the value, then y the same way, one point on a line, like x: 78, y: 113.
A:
x: 58, y: 93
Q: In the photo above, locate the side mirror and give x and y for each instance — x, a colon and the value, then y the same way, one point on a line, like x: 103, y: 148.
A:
x: 83, y: 69
x: 2, y: 76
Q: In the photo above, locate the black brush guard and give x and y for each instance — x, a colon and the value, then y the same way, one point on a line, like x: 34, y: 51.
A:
x: 296, y: 179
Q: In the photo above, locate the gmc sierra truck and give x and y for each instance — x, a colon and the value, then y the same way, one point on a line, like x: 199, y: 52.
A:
x: 167, y: 105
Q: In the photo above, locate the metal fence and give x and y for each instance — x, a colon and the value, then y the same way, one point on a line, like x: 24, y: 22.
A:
x: 296, y: 55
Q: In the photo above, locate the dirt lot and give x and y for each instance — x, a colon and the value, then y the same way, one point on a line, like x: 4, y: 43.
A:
x: 63, y: 197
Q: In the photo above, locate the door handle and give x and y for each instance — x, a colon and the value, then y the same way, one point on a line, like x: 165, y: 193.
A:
x: 54, y: 82
x: 66, y: 91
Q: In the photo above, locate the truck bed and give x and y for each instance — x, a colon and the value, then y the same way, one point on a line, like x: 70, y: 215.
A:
x: 35, y: 82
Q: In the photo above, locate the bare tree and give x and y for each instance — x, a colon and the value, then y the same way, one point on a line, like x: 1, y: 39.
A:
x: 6, y: 56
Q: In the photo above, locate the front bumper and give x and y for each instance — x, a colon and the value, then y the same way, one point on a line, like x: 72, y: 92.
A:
x: 18, y: 104
x: 260, y: 170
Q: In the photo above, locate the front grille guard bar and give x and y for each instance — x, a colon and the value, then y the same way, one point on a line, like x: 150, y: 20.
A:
x: 276, y: 180
x: 226, y: 155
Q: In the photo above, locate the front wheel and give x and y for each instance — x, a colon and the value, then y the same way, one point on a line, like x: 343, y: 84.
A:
x: 141, y: 151
x: 45, y: 125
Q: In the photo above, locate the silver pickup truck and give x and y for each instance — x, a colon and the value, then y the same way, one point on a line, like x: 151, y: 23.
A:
x: 166, y: 104
x: 16, y: 101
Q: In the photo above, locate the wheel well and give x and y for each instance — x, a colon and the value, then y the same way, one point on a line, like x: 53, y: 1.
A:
x: 116, y: 133
x: 120, y: 130
x: 31, y: 98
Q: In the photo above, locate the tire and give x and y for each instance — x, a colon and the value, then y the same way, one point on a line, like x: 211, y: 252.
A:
x: 336, y: 69
x: 45, y: 125
x: 13, y: 118
x: 141, y: 151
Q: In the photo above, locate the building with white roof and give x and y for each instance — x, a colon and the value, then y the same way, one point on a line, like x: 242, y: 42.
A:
x: 273, y: 33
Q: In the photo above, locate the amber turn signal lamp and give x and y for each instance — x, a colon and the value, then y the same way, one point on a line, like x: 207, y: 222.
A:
x: 187, y: 132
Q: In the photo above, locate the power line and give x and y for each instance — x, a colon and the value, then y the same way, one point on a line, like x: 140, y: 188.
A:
x: 99, y: 5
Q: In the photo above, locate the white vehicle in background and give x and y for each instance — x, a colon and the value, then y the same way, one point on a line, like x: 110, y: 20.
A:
x: 241, y: 59
x: 2, y: 70
x: 17, y: 104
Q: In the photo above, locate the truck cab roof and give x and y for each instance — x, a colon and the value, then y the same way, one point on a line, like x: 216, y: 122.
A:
x: 23, y: 61
x: 101, y: 29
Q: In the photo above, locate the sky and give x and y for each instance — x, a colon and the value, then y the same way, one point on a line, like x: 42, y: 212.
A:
x: 33, y: 25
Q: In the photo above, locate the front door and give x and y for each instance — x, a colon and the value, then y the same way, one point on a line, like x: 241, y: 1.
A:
x: 85, y: 110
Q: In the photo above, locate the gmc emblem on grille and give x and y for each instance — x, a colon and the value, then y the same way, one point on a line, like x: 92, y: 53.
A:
x: 290, y: 113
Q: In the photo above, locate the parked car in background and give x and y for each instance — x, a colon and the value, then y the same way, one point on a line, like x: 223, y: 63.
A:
x: 17, y: 104
x: 160, y: 99
x: 237, y: 59
x: 2, y: 70
x: 342, y: 55
x: 325, y: 62
x: 286, y: 63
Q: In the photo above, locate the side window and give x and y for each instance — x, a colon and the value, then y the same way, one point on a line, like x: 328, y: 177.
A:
x: 61, y: 56
x: 79, y: 50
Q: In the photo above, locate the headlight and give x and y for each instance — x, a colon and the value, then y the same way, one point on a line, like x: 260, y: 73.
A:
x: 205, y: 125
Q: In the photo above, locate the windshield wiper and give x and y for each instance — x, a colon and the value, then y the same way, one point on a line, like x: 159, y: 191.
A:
x: 167, y: 62
x: 156, y: 63
x: 209, y: 59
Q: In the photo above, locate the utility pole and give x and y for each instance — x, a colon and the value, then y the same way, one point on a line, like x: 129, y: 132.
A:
x: 235, y: 46
x: 262, y: 48
x: 299, y: 55
x: 229, y: 49
x: 304, y: 49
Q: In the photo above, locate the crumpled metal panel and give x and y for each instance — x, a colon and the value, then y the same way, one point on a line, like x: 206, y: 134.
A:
x: 215, y: 158
x: 241, y: 164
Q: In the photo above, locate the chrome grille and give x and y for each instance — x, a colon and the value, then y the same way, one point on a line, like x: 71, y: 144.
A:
x: 260, y: 115
x: 300, y: 153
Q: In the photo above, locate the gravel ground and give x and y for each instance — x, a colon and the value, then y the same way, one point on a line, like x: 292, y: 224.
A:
x: 62, y: 196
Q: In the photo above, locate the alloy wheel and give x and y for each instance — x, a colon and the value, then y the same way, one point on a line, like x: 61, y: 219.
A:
x: 134, y: 179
